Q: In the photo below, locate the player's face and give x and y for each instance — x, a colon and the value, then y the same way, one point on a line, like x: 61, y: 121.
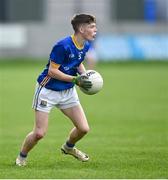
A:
x: 89, y: 31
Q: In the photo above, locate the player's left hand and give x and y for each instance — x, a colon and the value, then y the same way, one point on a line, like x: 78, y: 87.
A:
x: 82, y: 81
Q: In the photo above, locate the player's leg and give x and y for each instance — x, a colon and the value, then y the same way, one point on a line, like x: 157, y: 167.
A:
x: 77, y: 116
x: 39, y: 130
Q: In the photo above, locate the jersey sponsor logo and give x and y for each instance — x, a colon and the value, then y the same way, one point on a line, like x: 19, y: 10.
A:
x: 66, y: 68
x: 71, y: 56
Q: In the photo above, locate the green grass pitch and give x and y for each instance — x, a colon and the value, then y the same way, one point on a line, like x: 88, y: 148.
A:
x: 128, y: 120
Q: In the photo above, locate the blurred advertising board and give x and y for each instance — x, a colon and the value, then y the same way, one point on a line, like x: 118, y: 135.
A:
x: 138, y: 47
x: 12, y: 36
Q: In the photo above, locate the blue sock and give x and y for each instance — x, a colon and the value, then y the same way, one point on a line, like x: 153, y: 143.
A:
x: 23, y: 155
x: 69, y: 145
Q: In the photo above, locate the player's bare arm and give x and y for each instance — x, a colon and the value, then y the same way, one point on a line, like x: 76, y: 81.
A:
x: 81, y: 68
x: 55, y: 73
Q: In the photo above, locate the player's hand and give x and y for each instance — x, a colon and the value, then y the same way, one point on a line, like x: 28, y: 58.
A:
x: 82, y: 81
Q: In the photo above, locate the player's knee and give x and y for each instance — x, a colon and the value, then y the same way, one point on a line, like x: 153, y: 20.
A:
x: 85, y: 130
x: 39, y: 135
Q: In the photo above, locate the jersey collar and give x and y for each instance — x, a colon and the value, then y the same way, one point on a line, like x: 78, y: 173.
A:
x: 76, y: 43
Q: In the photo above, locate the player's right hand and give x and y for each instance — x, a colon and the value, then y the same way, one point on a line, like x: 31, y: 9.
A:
x: 82, y: 81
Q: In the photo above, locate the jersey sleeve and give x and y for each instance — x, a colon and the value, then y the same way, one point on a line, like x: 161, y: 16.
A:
x: 57, y: 54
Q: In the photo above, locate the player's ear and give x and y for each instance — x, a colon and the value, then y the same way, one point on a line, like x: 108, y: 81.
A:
x: 81, y: 29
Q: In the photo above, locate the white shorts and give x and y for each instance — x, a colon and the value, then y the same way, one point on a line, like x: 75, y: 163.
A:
x: 45, y: 99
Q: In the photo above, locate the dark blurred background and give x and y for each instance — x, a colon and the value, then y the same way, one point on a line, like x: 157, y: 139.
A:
x: 128, y: 29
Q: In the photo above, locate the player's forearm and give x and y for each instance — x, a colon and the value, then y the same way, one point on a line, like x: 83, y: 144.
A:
x: 57, y: 74
x: 81, y: 68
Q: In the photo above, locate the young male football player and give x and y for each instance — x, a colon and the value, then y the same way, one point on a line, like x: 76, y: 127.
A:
x: 55, y: 88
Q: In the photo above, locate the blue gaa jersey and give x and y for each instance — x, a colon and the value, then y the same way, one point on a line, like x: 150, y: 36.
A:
x: 67, y: 54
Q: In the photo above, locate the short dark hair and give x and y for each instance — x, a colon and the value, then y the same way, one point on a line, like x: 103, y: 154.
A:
x: 79, y: 19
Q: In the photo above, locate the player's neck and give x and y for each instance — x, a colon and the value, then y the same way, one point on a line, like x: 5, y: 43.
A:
x: 78, y: 40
